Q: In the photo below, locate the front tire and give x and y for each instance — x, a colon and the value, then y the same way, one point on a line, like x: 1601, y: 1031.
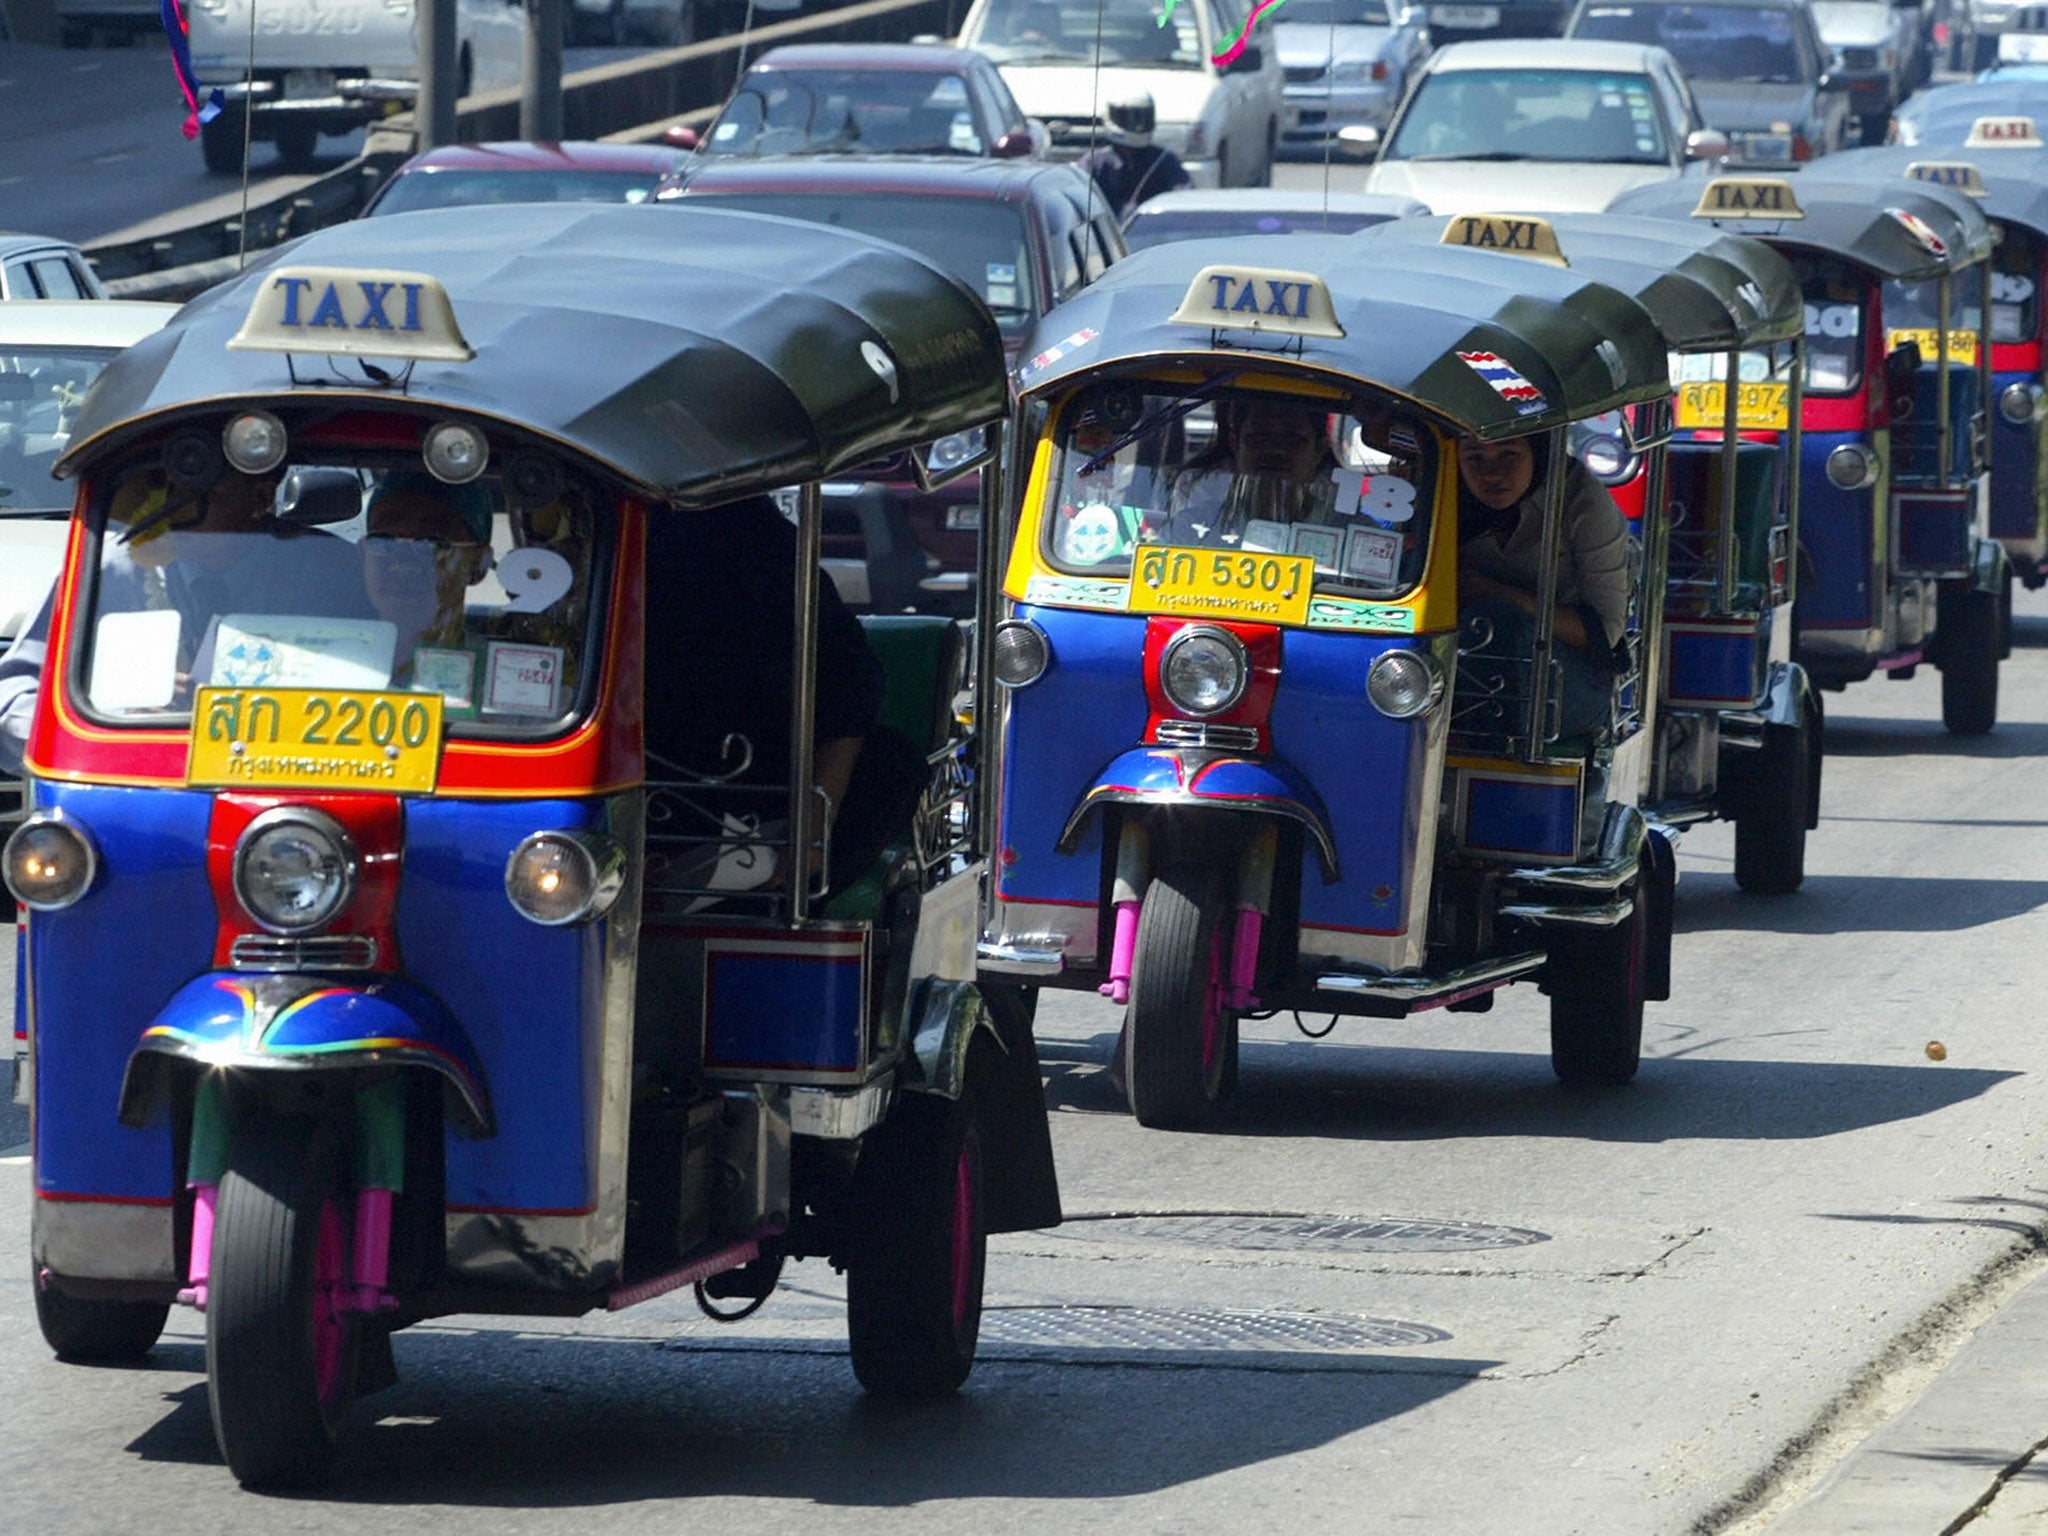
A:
x: 1182, y: 1040
x: 96, y: 1332
x: 920, y: 1248
x: 1968, y: 636
x: 1770, y: 827
x: 1596, y: 982
x: 281, y: 1352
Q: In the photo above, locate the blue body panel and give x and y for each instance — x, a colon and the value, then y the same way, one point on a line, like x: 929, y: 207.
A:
x: 1710, y: 669
x: 788, y: 1012
x: 102, y: 970
x: 2015, y: 468
x: 1937, y: 531
x: 529, y: 998
x: 1836, y: 529
x: 1517, y: 816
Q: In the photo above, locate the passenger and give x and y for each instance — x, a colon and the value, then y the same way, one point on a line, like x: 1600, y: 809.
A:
x: 1500, y: 553
x: 720, y: 612
x: 1130, y: 168
x: 425, y: 546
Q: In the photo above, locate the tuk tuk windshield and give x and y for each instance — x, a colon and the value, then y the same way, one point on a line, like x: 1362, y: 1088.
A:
x: 1145, y: 464
x: 2015, y: 299
x: 1834, y: 332
x: 1758, y: 365
x: 343, y: 578
x: 1917, y: 307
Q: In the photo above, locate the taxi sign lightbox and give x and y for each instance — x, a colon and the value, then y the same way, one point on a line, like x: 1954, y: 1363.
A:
x: 353, y: 312
x: 1259, y: 299
x: 1960, y: 175
x: 1748, y: 197
x: 1531, y: 238
x: 2003, y: 133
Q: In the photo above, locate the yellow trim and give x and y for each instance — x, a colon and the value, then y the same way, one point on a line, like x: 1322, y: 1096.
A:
x: 1514, y: 766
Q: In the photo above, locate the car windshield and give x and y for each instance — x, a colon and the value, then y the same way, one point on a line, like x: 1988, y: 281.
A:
x: 1735, y: 43
x: 1135, y: 32
x: 1834, y: 331
x: 41, y: 389
x: 1335, y: 13
x: 982, y: 243
x: 823, y: 111
x: 1152, y: 227
x: 346, y: 578
x: 1532, y: 114
x: 460, y: 188
x: 1251, y: 472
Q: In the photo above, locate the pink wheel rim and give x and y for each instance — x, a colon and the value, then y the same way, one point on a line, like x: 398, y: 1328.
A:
x: 330, y: 1280
x: 963, y: 1238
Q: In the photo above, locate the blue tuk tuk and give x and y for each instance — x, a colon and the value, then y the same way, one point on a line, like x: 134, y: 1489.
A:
x: 1249, y: 757
x: 376, y: 970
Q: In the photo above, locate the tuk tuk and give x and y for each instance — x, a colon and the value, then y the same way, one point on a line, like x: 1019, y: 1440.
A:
x: 2008, y: 179
x: 1738, y: 723
x: 1248, y: 760
x: 1896, y: 567
x: 376, y: 970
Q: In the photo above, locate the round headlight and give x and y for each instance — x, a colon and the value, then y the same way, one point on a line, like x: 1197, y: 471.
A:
x: 254, y: 442
x: 1852, y: 467
x: 1203, y: 671
x: 1607, y: 459
x: 1403, y: 683
x: 295, y: 869
x: 555, y: 878
x: 49, y: 862
x: 455, y: 452
x: 1022, y: 653
x: 2019, y: 403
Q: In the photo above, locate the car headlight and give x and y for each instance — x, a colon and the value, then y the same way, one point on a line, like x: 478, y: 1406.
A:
x: 950, y: 452
x: 1402, y: 684
x: 2020, y: 403
x: 1358, y: 71
x: 1022, y: 653
x: 49, y: 862
x: 1852, y: 467
x: 295, y: 869
x: 1203, y: 670
x: 1196, y: 146
x: 557, y: 878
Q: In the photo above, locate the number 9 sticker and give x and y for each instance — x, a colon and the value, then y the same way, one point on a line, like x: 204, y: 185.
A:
x: 534, y: 579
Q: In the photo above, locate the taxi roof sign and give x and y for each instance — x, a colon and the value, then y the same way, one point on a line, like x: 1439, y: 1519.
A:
x: 1958, y: 174
x: 1259, y: 299
x: 1748, y: 197
x: 353, y: 312
x: 1531, y: 238
x: 2003, y: 133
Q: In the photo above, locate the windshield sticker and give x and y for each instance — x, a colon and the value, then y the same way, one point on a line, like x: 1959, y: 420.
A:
x: 2011, y: 288
x: 534, y: 579
x: 1062, y: 592
x: 253, y: 650
x: 1002, y: 271
x: 135, y: 660
x: 1266, y: 536
x: 1056, y: 351
x: 1343, y: 613
x: 1502, y: 379
x: 451, y: 674
x: 522, y: 679
x: 1322, y: 545
x: 1839, y: 322
x: 1387, y: 499
x: 1094, y: 534
x: 1372, y: 556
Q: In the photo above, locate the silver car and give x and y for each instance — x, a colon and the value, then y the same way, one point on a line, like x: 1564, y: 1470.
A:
x: 1347, y: 63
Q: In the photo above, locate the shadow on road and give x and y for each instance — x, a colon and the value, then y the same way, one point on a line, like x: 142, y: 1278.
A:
x: 1886, y: 736
x: 1857, y: 904
x: 509, y: 1421
x: 1384, y: 1093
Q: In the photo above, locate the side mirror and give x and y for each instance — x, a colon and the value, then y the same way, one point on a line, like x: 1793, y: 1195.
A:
x: 1706, y: 144
x: 1250, y: 62
x: 315, y: 497
x: 1358, y: 141
x: 682, y: 136
x: 1013, y: 145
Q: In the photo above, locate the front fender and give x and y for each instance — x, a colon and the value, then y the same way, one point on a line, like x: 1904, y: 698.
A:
x: 945, y: 1017
x: 1991, y: 567
x: 265, y: 1022
x: 1197, y: 776
x: 1786, y: 701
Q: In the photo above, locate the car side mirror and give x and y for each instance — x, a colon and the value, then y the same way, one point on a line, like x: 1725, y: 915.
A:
x: 1250, y: 62
x: 1358, y: 141
x: 682, y: 136
x: 1706, y: 144
x: 1017, y: 142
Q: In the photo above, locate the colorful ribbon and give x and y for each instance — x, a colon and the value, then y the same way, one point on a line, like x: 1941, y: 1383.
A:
x: 176, y: 29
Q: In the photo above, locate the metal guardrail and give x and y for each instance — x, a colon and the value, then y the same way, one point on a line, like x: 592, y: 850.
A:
x: 628, y: 102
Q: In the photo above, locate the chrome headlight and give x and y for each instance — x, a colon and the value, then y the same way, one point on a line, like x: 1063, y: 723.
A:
x: 1402, y: 684
x: 254, y: 442
x: 295, y: 869
x: 2020, y: 403
x: 1204, y: 671
x: 557, y: 878
x: 1852, y: 467
x: 1022, y: 653
x: 49, y: 862
x: 454, y: 452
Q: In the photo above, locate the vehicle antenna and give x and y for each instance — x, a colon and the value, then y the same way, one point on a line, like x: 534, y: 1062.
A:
x: 1097, y: 108
x: 1330, y: 116
x: 739, y: 67
x: 248, y: 124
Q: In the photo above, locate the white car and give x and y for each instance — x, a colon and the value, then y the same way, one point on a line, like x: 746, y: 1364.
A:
x: 50, y: 353
x: 1542, y: 124
x: 1222, y: 120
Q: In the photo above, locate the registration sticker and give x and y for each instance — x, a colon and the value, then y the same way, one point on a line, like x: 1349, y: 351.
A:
x: 1222, y: 584
x: 1758, y: 406
x: 522, y: 679
x: 314, y: 738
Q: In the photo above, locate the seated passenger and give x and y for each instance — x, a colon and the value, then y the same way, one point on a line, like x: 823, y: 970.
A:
x: 720, y: 612
x: 425, y: 546
x: 1500, y: 553
x: 1271, y: 461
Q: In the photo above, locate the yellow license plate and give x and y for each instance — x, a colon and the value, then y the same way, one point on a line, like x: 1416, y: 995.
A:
x: 315, y: 738
x: 1962, y: 345
x: 1758, y: 407
x: 1222, y: 584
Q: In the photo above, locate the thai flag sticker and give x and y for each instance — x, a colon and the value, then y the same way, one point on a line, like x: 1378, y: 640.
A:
x: 1525, y: 397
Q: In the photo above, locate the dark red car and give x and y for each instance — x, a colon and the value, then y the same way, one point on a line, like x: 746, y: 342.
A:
x: 522, y: 171
x: 1024, y: 234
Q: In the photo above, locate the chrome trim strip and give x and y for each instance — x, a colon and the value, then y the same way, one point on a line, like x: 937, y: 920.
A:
x: 1026, y: 954
x: 104, y: 1240
x: 319, y: 952
x: 1621, y: 847
x: 1549, y: 915
x: 838, y: 1115
x: 1418, y: 990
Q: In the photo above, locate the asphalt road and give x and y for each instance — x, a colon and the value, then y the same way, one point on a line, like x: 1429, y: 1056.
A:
x: 1411, y: 1284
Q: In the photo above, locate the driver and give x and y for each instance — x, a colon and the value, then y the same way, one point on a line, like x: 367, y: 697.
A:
x: 1271, y: 461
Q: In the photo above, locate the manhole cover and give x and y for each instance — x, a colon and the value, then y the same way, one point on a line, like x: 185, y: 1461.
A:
x: 1151, y: 1328
x: 1321, y: 1233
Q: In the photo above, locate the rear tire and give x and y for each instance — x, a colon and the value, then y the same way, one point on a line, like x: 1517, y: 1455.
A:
x: 96, y: 1332
x: 280, y: 1354
x: 919, y: 1250
x: 1182, y: 1039
x: 1596, y: 982
x: 296, y: 144
x: 1770, y: 828
x: 1968, y: 636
